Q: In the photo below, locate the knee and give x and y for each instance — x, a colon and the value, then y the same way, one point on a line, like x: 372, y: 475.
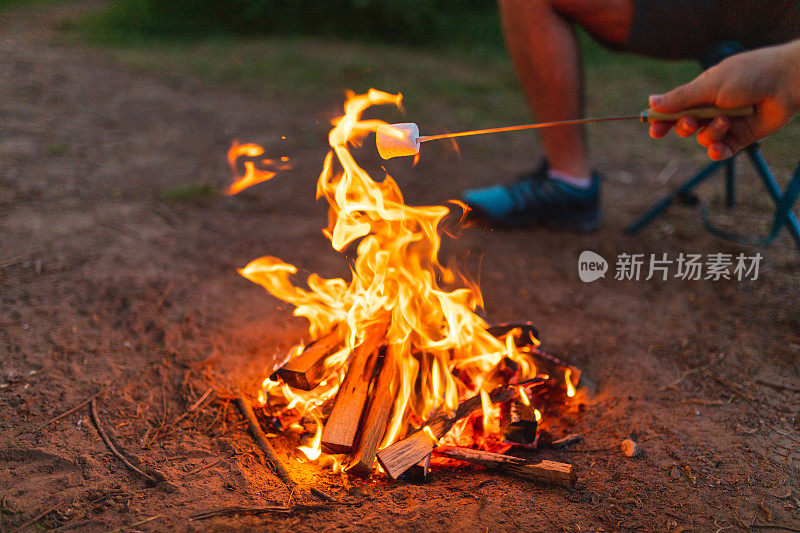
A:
x: 537, y: 10
x: 575, y: 9
x: 519, y: 8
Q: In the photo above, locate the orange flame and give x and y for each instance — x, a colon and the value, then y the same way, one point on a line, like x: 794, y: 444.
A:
x: 253, y: 174
x: 568, y: 384
x: 395, y: 281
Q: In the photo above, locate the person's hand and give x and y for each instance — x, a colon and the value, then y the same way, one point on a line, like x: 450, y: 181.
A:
x: 767, y: 78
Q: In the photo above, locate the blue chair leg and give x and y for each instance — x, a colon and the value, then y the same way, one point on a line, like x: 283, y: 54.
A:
x: 784, y: 211
x: 730, y: 182
x: 656, y: 210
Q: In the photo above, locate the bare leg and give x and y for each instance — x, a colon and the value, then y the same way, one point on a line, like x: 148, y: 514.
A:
x: 545, y: 52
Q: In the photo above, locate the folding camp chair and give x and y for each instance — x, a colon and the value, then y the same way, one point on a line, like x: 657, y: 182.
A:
x: 784, y: 201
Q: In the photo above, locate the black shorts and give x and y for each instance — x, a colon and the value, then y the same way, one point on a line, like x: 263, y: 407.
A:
x: 683, y: 29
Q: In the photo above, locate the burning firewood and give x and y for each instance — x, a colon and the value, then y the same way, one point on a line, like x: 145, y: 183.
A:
x: 377, y: 415
x: 402, y: 455
x: 305, y: 371
x: 419, y: 472
x: 520, y: 423
x: 342, y: 425
x: 550, y: 472
x: 526, y: 337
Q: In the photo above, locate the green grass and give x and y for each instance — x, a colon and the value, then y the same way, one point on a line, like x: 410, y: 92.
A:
x: 56, y: 149
x: 25, y: 3
x: 427, y: 24
x: 199, y: 194
x: 452, y: 86
x: 449, y: 88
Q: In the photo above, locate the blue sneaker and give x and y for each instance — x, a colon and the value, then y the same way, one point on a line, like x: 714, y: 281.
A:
x: 534, y: 199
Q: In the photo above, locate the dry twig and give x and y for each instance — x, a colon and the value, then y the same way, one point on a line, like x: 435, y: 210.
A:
x: 139, y: 523
x: 688, y: 373
x: 569, y: 440
x: 261, y: 439
x: 113, y: 449
x: 280, y: 509
x: 735, y: 388
x: 37, y: 517
x: 777, y: 386
x: 209, y: 465
x: 70, y: 411
x: 322, y: 495
x: 71, y: 525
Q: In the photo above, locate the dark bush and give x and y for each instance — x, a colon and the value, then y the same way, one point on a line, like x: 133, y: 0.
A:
x: 432, y: 22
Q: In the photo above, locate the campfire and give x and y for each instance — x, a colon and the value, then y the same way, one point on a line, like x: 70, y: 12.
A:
x: 401, y: 367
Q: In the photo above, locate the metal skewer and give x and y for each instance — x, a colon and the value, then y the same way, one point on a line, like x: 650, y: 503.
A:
x: 425, y: 138
x: 648, y: 115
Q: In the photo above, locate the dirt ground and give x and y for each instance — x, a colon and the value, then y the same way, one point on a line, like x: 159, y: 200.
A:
x: 112, y: 281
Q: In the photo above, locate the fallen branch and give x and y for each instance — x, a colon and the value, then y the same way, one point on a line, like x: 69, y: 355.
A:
x: 688, y: 373
x: 113, y: 449
x: 323, y: 495
x: 549, y: 472
x: 777, y: 386
x: 209, y: 465
x: 139, y: 523
x: 569, y: 440
x: 273, y: 462
x: 194, y: 406
x: 735, y: 388
x: 37, y: 517
x: 71, y: 525
x: 279, y: 509
x: 70, y: 411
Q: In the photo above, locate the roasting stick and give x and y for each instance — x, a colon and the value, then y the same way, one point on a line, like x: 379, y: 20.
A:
x: 397, y: 140
x: 426, y: 138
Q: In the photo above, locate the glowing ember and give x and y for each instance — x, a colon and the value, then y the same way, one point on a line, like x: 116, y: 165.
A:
x: 439, y: 349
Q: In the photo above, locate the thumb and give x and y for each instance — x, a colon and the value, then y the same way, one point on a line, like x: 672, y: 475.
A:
x: 700, y: 91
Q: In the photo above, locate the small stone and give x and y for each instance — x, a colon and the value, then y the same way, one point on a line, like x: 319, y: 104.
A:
x: 630, y: 448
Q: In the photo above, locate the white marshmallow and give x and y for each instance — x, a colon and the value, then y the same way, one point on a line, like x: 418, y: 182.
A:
x: 397, y: 140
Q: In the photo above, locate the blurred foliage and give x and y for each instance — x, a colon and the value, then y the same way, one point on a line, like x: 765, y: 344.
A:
x: 463, y: 23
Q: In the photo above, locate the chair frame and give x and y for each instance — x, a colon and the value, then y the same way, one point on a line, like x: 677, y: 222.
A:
x: 784, y: 200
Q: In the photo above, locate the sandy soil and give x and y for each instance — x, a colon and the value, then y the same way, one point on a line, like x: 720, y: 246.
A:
x: 107, y: 286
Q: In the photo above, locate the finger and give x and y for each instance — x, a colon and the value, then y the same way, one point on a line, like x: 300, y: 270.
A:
x: 715, y: 131
x: 703, y: 140
x: 719, y: 151
x: 660, y: 129
x: 701, y: 90
x: 686, y: 126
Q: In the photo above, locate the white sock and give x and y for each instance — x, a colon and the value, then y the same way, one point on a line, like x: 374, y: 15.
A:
x: 578, y: 183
